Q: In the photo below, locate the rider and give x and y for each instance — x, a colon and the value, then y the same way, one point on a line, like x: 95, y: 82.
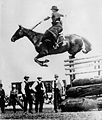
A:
x: 55, y: 29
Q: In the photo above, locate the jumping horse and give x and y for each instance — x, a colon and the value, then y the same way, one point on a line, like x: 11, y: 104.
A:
x: 71, y: 43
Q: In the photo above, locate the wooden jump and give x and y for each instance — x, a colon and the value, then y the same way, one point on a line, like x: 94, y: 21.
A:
x: 70, y: 65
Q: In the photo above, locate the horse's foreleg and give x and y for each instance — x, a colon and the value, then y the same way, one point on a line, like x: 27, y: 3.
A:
x: 37, y: 61
x: 41, y: 62
x: 46, y: 61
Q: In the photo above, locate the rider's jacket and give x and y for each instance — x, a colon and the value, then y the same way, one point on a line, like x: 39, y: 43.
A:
x: 56, y: 18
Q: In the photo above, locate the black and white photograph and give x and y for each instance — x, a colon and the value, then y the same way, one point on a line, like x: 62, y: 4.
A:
x: 51, y: 59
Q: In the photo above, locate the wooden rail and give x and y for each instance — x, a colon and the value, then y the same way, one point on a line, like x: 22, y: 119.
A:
x: 82, y: 72
x: 75, y: 63
x: 78, y: 67
x: 76, y: 59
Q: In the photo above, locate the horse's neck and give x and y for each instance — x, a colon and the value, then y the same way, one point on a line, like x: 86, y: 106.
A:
x: 32, y: 36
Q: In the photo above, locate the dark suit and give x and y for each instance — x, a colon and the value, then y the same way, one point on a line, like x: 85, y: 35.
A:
x: 2, y: 100
x: 13, y: 96
x: 27, y: 98
x: 39, y: 97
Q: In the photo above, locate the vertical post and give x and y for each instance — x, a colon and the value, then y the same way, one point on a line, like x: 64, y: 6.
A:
x: 72, y: 77
x: 70, y: 71
x: 55, y: 106
x: 99, y: 67
x: 73, y: 68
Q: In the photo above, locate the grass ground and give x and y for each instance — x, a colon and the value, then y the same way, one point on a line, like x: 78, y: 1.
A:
x: 49, y: 114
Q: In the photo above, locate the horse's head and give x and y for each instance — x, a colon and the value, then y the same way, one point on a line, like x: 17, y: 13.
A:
x: 18, y: 34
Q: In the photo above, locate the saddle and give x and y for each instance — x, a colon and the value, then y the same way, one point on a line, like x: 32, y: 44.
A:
x: 54, y: 43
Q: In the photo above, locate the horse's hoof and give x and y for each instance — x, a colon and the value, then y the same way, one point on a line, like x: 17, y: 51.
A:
x: 45, y: 65
x: 46, y: 61
x: 41, y: 64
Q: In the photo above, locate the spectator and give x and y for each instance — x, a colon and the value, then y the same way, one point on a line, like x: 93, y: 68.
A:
x: 27, y: 95
x: 57, y: 92
x: 13, y: 96
x: 39, y: 89
x: 2, y: 98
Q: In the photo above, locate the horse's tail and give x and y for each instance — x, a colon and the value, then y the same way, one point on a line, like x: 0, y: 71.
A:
x: 86, y: 46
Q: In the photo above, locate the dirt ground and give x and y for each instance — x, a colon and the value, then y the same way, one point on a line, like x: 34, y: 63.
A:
x: 49, y: 114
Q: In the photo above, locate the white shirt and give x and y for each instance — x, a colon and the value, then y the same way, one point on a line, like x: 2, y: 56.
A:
x: 59, y: 84
x: 23, y: 87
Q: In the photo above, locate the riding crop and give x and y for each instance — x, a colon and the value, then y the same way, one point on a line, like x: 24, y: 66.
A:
x: 37, y: 25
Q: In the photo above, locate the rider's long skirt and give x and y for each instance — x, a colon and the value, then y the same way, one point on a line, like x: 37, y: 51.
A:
x: 56, y: 29
x: 52, y: 34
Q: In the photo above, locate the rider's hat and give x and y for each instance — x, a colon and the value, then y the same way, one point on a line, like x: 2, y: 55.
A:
x: 26, y: 77
x: 54, y: 8
x: 56, y: 76
x: 39, y: 78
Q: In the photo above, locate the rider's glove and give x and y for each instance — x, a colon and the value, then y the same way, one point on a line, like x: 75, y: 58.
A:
x: 46, y: 18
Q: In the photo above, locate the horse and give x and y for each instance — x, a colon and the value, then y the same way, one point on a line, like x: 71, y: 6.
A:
x: 70, y: 43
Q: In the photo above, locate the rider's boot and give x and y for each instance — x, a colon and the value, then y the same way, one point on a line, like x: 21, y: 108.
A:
x: 55, y: 46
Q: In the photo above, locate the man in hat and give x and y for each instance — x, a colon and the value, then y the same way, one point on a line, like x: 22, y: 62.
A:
x: 53, y: 32
x: 27, y: 95
x: 57, y: 92
x: 39, y: 89
x: 13, y: 96
x: 2, y: 98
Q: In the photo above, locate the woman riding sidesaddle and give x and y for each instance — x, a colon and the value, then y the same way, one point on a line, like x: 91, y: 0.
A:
x: 53, y: 32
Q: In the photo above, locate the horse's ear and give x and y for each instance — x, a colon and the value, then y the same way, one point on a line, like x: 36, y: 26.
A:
x: 20, y: 26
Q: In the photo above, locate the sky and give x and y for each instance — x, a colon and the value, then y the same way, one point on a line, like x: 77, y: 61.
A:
x: 84, y: 17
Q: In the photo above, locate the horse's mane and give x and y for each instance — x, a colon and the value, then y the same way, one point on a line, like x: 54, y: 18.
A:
x: 34, y: 33
x: 39, y: 36
x: 38, y: 33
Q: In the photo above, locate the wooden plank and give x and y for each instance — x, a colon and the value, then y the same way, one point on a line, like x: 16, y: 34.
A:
x: 83, y: 66
x: 72, y: 68
x: 83, y: 72
x: 76, y: 63
x: 76, y: 59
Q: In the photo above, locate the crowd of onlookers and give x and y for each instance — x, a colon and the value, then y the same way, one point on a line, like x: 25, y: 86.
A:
x: 32, y: 94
